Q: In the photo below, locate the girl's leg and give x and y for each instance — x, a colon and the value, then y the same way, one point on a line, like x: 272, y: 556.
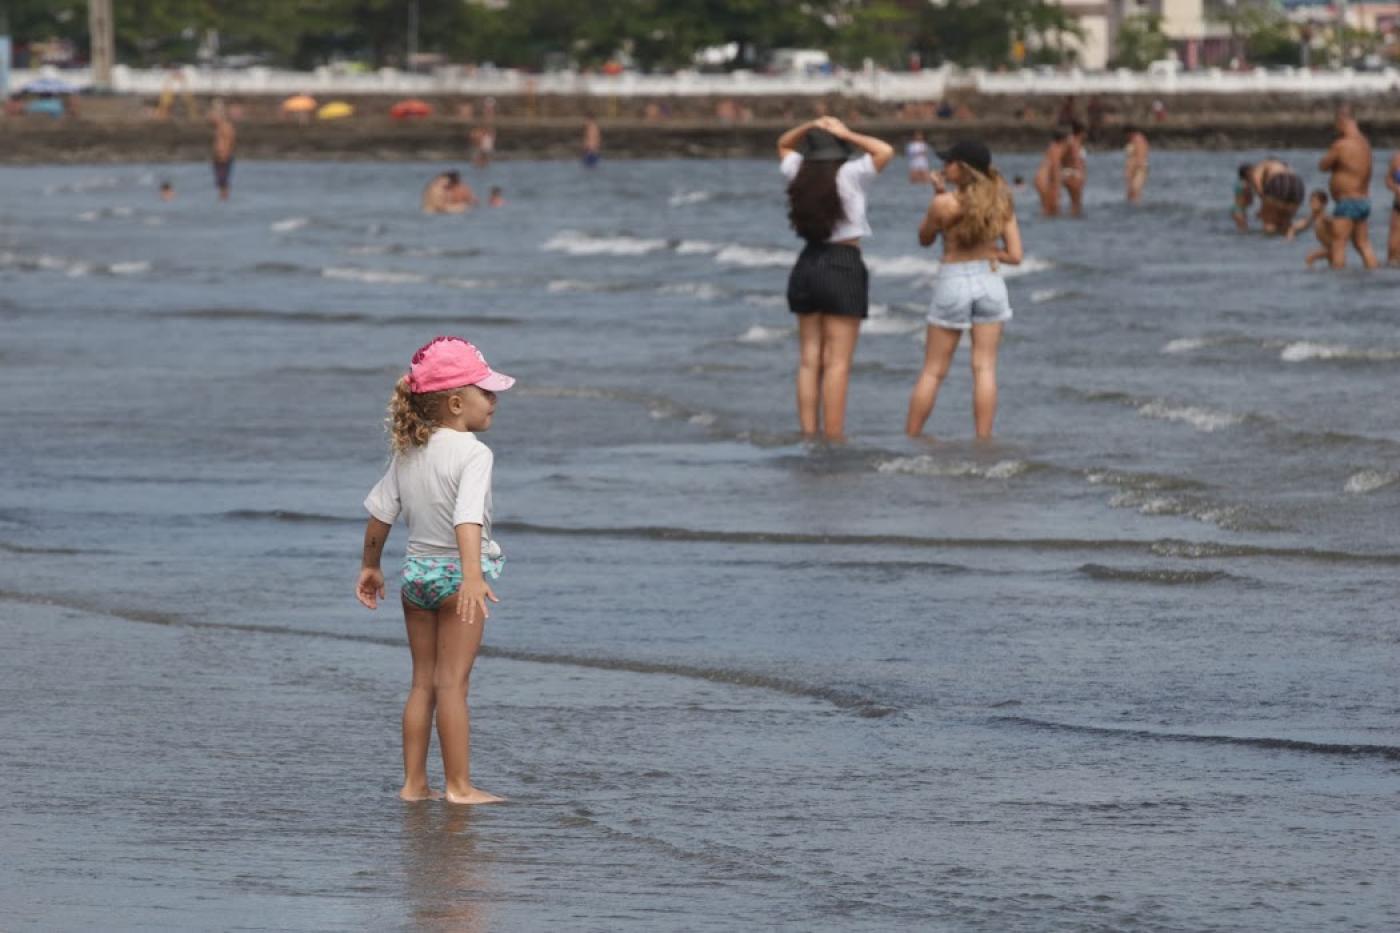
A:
x: 985, y: 340
x: 839, y: 335
x: 1392, y: 249
x: 809, y: 371
x: 418, y: 710
x: 939, y: 345
x: 457, y: 645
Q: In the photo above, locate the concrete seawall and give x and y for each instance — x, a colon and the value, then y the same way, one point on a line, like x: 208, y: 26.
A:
x: 123, y: 130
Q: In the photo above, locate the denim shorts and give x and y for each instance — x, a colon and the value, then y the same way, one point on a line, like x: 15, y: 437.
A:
x: 967, y: 293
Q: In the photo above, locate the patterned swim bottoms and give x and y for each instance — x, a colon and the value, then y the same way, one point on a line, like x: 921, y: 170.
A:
x: 428, y: 582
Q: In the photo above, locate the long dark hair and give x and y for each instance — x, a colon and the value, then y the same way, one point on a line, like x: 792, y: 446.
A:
x: 814, y: 204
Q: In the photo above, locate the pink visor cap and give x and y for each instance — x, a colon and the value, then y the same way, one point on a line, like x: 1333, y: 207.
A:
x: 450, y: 363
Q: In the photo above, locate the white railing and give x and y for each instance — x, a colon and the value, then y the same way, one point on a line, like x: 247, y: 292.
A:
x: 880, y: 85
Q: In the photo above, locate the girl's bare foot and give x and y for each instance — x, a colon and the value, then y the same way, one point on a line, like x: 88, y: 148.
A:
x: 413, y: 795
x: 473, y: 795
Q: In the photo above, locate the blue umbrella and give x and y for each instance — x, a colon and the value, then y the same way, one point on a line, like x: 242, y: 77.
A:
x: 49, y: 86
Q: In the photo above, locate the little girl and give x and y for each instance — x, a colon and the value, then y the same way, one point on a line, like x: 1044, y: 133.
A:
x: 440, y: 481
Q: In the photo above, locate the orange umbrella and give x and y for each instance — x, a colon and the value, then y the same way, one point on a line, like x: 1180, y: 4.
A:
x: 301, y: 103
x: 412, y: 107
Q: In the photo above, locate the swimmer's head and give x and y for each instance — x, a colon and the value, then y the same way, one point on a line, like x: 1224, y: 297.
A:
x: 1130, y: 129
x: 167, y: 191
x: 1076, y: 128
x: 1319, y: 199
x: 495, y: 191
x: 453, y: 177
x: 1059, y: 134
x: 1244, y: 171
x: 1018, y: 180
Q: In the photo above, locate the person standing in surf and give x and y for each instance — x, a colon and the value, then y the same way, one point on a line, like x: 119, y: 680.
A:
x: 592, y: 143
x: 1392, y: 184
x: 1074, y: 169
x: 440, y: 482
x: 221, y: 148
x: 916, y: 152
x: 1135, y: 157
x: 979, y: 229
x: 1349, y: 164
x: 829, y: 286
x: 1048, y: 175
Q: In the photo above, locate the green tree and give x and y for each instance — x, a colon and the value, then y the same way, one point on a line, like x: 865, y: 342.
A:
x: 1269, y: 38
x: 981, y: 32
x: 876, y: 29
x: 1140, y: 42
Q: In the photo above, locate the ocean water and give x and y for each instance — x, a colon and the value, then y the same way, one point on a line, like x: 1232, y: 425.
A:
x: 1131, y: 666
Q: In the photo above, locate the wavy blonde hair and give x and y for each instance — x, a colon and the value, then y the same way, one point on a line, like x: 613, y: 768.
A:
x: 986, y: 209
x: 413, y: 416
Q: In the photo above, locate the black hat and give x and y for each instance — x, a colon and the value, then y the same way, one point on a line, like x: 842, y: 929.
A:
x: 970, y: 153
x: 820, y: 146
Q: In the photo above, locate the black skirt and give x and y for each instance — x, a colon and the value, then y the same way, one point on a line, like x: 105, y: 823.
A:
x: 829, y: 278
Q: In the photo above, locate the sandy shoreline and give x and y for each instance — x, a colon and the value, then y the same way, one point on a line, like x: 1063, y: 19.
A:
x: 36, y: 141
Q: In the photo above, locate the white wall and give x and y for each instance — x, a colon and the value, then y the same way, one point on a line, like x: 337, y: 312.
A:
x: 925, y: 85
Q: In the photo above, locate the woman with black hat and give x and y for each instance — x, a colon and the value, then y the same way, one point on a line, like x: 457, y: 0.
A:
x: 980, y: 232
x: 829, y: 286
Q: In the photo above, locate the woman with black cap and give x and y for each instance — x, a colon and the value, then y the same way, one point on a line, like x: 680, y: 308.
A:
x: 829, y: 288
x: 980, y: 232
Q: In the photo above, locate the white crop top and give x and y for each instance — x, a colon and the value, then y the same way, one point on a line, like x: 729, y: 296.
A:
x: 851, y: 181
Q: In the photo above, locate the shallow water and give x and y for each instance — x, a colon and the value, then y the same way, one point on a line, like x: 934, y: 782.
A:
x: 1132, y: 666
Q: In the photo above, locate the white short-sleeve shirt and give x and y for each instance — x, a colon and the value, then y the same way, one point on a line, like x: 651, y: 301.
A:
x: 436, y: 487
x: 851, y: 182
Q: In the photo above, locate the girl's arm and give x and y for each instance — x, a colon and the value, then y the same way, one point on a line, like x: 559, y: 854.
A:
x: 1298, y: 226
x: 787, y: 143
x: 1010, y: 253
x: 880, y: 151
x: 1390, y: 182
x: 928, y: 230
x: 475, y: 591
x: 370, y: 588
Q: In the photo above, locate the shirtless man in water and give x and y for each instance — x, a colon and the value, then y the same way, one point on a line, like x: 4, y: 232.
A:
x: 224, y: 139
x: 1349, y: 161
x: 1047, y: 176
x: 1135, y: 163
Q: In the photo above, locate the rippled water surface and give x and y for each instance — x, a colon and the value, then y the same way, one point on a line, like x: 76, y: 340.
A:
x: 1132, y: 666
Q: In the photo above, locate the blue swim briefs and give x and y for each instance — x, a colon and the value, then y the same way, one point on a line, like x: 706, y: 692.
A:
x: 1354, y: 209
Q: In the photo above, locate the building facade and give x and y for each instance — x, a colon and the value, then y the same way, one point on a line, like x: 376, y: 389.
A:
x: 1183, y: 21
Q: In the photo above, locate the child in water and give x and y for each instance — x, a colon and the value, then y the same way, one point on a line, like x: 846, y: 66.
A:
x: 1322, y: 226
x: 440, y: 481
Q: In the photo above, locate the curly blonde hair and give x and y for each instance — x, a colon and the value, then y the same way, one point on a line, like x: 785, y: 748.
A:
x: 413, y: 416
x: 986, y: 209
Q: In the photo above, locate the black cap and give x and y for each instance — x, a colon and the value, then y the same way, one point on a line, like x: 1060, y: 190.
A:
x: 820, y: 146
x: 970, y: 153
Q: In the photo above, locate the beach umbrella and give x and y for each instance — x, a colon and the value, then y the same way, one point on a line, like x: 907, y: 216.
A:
x: 49, y: 86
x: 412, y: 107
x: 335, y: 110
x: 301, y: 103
